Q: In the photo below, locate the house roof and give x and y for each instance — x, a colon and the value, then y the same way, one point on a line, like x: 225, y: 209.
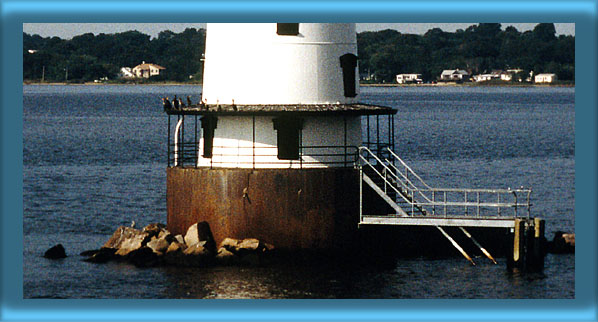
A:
x: 145, y: 66
x: 546, y: 74
x: 454, y: 71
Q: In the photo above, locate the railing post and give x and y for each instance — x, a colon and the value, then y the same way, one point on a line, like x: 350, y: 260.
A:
x: 498, y: 194
x: 445, y: 204
x: 478, y: 210
x: 515, y: 195
x: 433, y: 202
x: 465, y: 202
x: 360, y: 192
x: 168, y: 142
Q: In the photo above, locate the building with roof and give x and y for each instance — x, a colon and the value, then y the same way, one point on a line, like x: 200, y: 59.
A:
x: 454, y: 75
x: 545, y: 78
x: 409, y: 78
x: 147, y: 70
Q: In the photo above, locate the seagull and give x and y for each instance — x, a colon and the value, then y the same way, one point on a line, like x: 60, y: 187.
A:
x: 189, y: 101
x: 166, y: 103
x: 133, y: 224
x: 175, y: 102
x: 181, y: 104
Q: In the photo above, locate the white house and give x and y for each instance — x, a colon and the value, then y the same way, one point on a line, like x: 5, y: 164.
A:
x: 545, y: 78
x: 454, y: 75
x: 409, y: 78
x: 147, y: 70
x: 126, y: 72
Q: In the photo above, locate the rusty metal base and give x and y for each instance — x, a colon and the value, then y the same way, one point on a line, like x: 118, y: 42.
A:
x: 289, y: 208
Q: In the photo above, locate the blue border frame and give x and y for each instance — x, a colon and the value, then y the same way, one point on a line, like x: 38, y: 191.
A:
x: 14, y: 13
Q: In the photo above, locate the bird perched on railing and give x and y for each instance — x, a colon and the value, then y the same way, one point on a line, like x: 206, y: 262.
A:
x: 189, y: 101
x: 181, y: 104
x: 166, y: 103
x: 175, y: 103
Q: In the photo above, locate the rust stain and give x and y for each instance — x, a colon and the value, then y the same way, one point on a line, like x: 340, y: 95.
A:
x: 290, y: 208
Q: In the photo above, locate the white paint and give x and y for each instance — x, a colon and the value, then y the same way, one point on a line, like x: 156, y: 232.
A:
x: 251, y: 64
x: 233, y: 144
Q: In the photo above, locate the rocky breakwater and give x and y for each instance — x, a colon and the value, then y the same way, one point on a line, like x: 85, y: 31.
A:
x: 154, y: 245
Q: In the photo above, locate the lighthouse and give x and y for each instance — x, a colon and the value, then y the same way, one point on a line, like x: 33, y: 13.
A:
x: 270, y: 151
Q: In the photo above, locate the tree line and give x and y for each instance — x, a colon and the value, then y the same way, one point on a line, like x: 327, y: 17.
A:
x: 382, y: 54
x: 89, y: 57
x: 478, y: 49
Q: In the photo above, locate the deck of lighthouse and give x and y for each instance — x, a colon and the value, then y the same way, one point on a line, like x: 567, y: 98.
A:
x: 276, y: 109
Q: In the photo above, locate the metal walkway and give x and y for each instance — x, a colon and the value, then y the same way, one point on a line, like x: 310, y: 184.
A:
x: 416, y: 203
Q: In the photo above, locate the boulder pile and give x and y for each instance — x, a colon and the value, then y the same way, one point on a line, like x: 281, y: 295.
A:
x: 562, y: 243
x: 154, y: 245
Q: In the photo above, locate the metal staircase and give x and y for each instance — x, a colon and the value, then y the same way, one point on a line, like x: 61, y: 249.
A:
x: 411, y: 197
x: 416, y: 203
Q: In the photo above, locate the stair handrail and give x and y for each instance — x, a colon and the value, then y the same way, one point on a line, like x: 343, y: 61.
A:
x: 408, y: 168
x: 411, y: 202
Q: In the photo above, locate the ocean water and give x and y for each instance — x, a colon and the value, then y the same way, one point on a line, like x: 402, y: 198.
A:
x: 94, y: 158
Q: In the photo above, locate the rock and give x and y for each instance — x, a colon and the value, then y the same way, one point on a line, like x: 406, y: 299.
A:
x: 55, y: 252
x: 158, y: 245
x: 196, y: 250
x: 133, y: 243
x: 89, y: 252
x: 249, y: 244
x: 180, y: 239
x: 200, y: 232
x: 154, y: 229
x: 174, y: 254
x: 121, y: 234
x: 562, y: 243
x: 143, y: 257
x: 229, y: 244
x: 197, y: 255
x: 101, y: 255
x: 226, y: 257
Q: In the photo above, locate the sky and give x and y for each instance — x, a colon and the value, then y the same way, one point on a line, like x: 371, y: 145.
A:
x: 68, y: 30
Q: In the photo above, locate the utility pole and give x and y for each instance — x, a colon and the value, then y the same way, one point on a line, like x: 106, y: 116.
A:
x: 43, y: 72
x: 66, y: 74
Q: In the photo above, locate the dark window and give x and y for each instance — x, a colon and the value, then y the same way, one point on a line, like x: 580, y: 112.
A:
x: 208, y: 124
x: 287, y: 29
x: 288, y: 130
x: 349, y: 65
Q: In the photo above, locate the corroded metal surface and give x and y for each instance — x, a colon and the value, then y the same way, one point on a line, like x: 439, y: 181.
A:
x: 289, y: 208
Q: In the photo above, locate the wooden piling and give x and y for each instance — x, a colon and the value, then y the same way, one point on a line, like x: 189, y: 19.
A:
x: 515, y: 260
x: 536, y: 252
x: 528, y: 246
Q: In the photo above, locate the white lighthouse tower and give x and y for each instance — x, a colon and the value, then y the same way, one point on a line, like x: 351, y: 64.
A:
x: 273, y: 154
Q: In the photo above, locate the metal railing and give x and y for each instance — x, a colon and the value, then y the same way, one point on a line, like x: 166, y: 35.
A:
x: 423, y: 200
x: 188, y: 154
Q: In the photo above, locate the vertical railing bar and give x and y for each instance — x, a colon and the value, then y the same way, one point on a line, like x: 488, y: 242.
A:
x: 466, y: 203
x: 183, y: 143
x: 378, y: 135
x: 444, y: 203
x: 168, y: 145
x: 433, y: 202
x: 498, y: 202
x: 345, y: 123
x: 478, y: 210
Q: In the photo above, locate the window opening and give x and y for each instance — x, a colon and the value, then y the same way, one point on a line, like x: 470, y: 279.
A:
x: 287, y: 29
x: 349, y: 65
x: 288, y: 130
x: 208, y: 124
